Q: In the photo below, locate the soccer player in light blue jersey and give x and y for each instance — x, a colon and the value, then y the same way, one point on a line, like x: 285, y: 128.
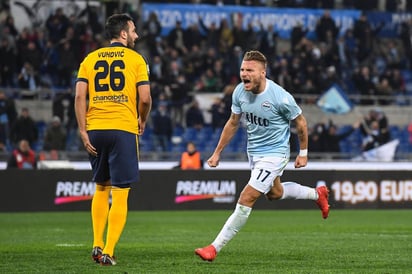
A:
x: 269, y: 109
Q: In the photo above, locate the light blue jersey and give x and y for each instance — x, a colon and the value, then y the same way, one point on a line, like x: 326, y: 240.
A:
x: 268, y: 115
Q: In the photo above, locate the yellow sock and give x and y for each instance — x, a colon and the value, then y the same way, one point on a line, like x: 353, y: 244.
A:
x: 117, y: 218
x: 100, y: 210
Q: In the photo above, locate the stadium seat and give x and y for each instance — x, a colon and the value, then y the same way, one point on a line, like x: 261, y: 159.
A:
x: 190, y: 134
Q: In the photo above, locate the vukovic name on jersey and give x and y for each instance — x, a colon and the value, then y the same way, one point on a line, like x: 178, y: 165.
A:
x: 251, y: 118
x: 110, y: 54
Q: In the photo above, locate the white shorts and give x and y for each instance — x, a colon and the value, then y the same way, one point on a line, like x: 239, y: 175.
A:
x: 264, y: 172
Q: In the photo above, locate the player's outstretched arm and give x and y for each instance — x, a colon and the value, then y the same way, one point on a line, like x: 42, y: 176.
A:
x: 227, y: 134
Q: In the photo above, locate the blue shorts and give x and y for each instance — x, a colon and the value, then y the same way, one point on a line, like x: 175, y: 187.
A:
x: 117, y: 157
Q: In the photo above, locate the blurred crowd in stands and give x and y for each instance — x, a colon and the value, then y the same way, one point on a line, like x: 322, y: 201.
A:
x: 203, y: 58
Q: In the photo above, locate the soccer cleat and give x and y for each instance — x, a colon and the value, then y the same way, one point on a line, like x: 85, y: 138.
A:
x: 322, y: 202
x: 96, y: 254
x: 207, y: 253
x: 106, y: 260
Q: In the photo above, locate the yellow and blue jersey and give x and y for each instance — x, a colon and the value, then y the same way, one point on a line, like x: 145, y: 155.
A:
x: 113, y: 74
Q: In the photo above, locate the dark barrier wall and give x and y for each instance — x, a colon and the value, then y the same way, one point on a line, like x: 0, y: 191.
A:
x: 64, y: 190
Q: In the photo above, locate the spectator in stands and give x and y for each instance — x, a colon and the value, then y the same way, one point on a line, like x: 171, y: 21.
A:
x: 349, y: 49
x: 393, y: 56
x: 227, y: 96
x: 326, y: 26
x: 396, y: 81
x: 332, y: 138
x: 8, y: 63
x: 159, y: 48
x: 221, y: 75
x: 253, y: 37
x: 315, y: 134
x: 373, y: 137
x: 405, y: 34
x: 73, y: 138
x: 226, y: 39
x: 195, y: 62
x: 194, y: 116
x: 310, y: 92
x: 9, y: 23
x: 30, y: 53
x: 218, y: 112
x: 208, y: 82
x: 162, y: 127
x: 50, y: 58
x: 280, y: 73
x: 67, y: 64
x: 212, y: 34
x: 377, y: 114
x: 7, y: 116
x: 156, y: 69
x: 178, y: 89
x: 384, y: 91
x: 191, y: 158
x: 28, y: 81
x: 328, y: 78
x: 363, y: 82
x: 22, y: 40
x: 22, y: 157
x: 297, y: 34
x: 55, y: 136
x: 4, y: 122
x: 57, y: 24
x: 233, y: 61
x: 24, y: 127
x: 151, y: 31
x: 176, y: 38
x: 208, y: 58
x: 193, y: 36
x: 269, y: 41
x: 365, y: 35
x: 375, y: 130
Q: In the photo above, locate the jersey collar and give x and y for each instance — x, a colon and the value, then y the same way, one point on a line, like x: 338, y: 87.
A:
x: 117, y: 44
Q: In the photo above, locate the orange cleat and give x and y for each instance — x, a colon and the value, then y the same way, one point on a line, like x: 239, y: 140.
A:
x: 207, y: 253
x: 322, y: 202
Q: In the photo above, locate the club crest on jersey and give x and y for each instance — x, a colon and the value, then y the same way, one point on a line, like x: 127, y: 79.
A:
x: 266, y: 106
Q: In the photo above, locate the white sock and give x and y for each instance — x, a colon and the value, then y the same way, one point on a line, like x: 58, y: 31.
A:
x: 232, y: 226
x: 292, y: 190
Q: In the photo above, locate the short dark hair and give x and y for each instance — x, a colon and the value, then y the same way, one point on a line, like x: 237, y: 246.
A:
x: 255, y: 55
x: 116, y: 23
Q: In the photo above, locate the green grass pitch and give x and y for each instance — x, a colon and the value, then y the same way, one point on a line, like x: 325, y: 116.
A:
x: 273, y: 241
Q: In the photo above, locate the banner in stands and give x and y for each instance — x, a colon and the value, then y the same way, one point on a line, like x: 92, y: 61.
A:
x: 389, y: 24
x: 68, y: 190
x: 282, y: 19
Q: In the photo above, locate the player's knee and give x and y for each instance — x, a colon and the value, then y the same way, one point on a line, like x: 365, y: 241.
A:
x: 247, y: 201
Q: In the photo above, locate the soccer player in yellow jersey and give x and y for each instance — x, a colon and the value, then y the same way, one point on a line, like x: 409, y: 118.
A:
x: 115, y: 81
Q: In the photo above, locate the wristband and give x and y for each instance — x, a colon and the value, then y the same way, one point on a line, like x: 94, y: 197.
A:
x: 303, y: 153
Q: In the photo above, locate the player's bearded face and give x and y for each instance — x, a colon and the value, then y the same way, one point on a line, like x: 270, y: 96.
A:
x: 131, y: 35
x: 130, y: 42
x: 252, y: 74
